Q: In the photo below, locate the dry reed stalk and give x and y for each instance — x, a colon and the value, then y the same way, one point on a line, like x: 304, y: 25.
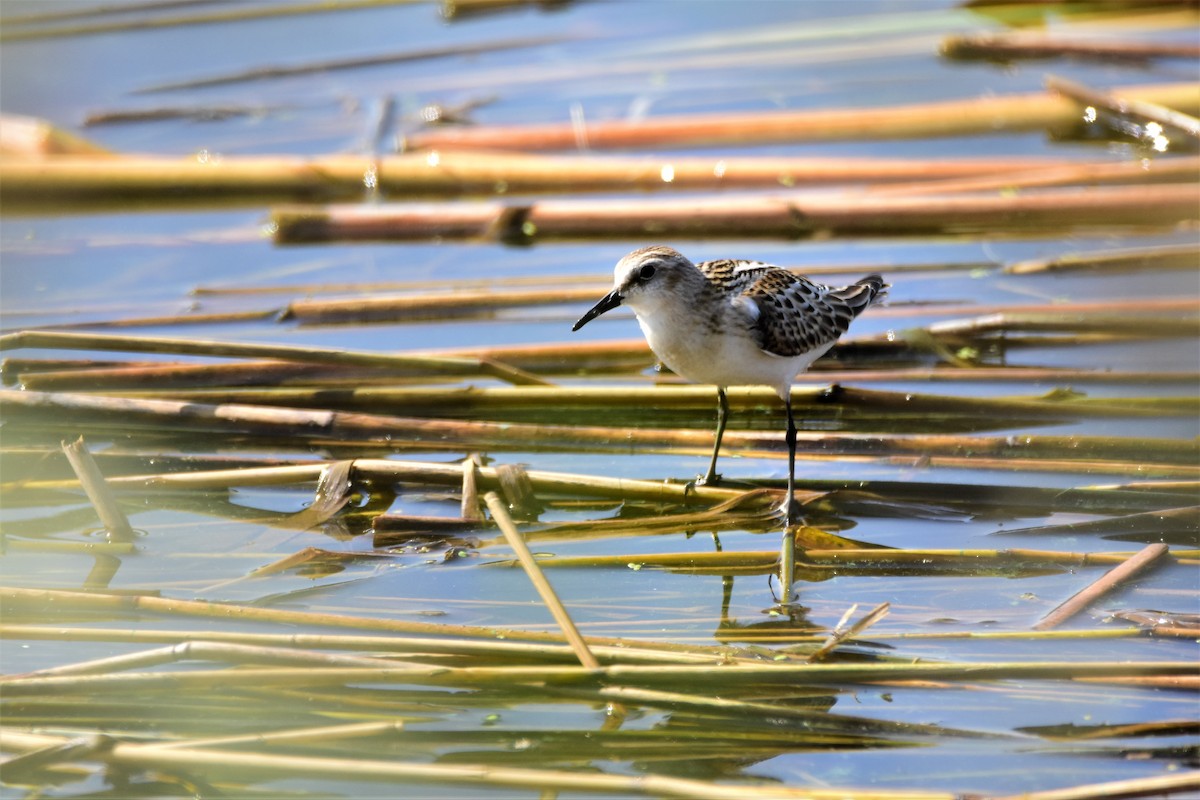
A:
x: 589, y: 402
x: 625, y: 652
x: 1132, y: 467
x: 83, y: 179
x: 266, y: 421
x: 728, y: 708
x: 442, y: 305
x: 607, y: 356
x: 56, y: 601
x: 1152, y: 786
x: 841, y: 633
x: 308, y: 355
x: 844, y: 560
x: 320, y: 735
x: 1184, y: 256
x: 198, y: 650
x: 249, y: 12
x: 1108, y: 582
x: 92, y: 480
x: 538, y: 578
x: 1005, y: 46
x: 1135, y: 172
x: 795, y: 217
x: 387, y: 470
x: 171, y: 377
x: 220, y: 762
x: 984, y: 115
x: 701, y: 675
x: 1124, y: 106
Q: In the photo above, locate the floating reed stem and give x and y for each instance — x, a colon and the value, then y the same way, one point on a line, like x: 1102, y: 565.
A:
x: 1140, y: 561
x: 795, y: 217
x: 544, y: 589
x: 1184, y: 256
x: 270, y: 766
x: 701, y: 675
x: 974, y: 116
x: 98, y: 491
x: 270, y: 421
x: 27, y: 31
x: 103, y: 180
x: 1151, y: 786
x: 311, y: 355
x: 487, y: 647
x: 1007, y: 46
x: 1144, y: 110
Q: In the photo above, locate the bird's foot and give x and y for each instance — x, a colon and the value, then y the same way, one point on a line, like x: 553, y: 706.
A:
x: 710, y: 479
x: 792, y: 512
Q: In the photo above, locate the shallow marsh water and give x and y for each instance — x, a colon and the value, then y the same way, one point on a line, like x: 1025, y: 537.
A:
x: 604, y: 61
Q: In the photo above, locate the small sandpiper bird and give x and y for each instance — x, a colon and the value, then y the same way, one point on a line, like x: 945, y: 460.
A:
x: 735, y: 323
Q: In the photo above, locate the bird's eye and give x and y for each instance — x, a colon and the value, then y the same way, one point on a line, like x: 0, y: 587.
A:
x: 646, y: 272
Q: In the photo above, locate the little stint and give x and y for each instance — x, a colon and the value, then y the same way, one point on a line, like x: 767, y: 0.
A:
x: 735, y: 323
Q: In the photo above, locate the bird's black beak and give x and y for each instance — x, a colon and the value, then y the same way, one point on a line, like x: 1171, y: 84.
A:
x: 607, y: 303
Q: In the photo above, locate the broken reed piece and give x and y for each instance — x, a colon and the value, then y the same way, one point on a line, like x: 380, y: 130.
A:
x: 248, y: 179
x: 1125, y: 106
x: 450, y: 365
x: 972, y: 116
x: 549, y: 596
x: 1157, y: 207
x: 1143, y: 559
x: 1006, y: 46
x: 98, y: 492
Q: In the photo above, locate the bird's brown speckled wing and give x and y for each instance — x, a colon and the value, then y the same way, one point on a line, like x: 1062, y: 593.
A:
x: 797, y: 315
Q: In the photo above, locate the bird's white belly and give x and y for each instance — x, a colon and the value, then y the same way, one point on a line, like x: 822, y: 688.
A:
x: 727, y: 358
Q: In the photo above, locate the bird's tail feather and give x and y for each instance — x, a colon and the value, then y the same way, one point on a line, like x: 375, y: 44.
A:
x: 861, y: 294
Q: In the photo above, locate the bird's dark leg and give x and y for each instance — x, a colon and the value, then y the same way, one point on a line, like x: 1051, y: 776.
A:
x: 791, y: 509
x: 791, y: 513
x: 722, y: 416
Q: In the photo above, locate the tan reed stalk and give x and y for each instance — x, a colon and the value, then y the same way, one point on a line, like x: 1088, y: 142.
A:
x: 1151, y: 786
x: 983, y: 115
x: 312, y: 355
x: 49, y: 376
x: 853, y: 403
x: 1005, y: 46
x: 1145, y: 110
x: 92, y: 480
x: 236, y: 14
x: 318, y: 735
x: 794, y: 217
x: 442, y: 305
x: 730, y: 707
x: 218, y: 762
x: 766, y: 674
x: 1169, y: 169
x: 470, y: 488
x: 544, y: 589
x: 848, y: 559
x: 252, y: 179
x: 1183, y: 256
x: 198, y: 650
x: 1145, y: 558
x: 282, y: 421
x: 843, y: 633
x: 58, y: 600
x: 626, y: 652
